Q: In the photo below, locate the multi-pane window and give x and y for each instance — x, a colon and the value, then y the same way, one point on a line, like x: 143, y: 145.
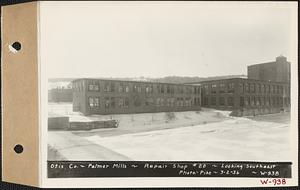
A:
x: 137, y: 101
x: 222, y: 88
x: 109, y: 87
x: 262, y: 88
x: 247, y: 101
x: 121, y: 87
x: 222, y: 101
x: 213, y: 101
x: 242, y: 101
x: 257, y: 101
x: 126, y: 88
x: 109, y: 102
x: 149, y: 89
x: 126, y: 102
x: 230, y: 101
x: 205, y: 101
x: 149, y: 102
x: 93, y: 86
x: 205, y: 87
x: 137, y: 88
x: 252, y: 88
x: 252, y: 101
x: 247, y: 87
x: 241, y: 87
x: 121, y: 102
x: 258, y: 89
x: 213, y: 88
x: 231, y: 87
x: 94, y: 102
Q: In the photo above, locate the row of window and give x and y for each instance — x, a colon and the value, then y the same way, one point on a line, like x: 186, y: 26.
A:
x: 137, y: 88
x: 246, y: 87
x: 249, y: 101
x: 120, y: 102
x: 213, y: 101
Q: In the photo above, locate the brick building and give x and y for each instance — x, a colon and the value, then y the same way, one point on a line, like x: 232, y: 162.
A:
x: 245, y: 96
x: 98, y: 96
x: 277, y: 71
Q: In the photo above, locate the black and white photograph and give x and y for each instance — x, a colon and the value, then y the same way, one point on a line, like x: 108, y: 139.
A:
x: 170, y: 81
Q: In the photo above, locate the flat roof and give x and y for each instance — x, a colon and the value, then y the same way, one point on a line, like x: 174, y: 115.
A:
x: 133, y: 81
x: 247, y: 79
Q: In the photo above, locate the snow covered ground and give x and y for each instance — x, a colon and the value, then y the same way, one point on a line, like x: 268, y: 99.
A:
x: 198, y: 136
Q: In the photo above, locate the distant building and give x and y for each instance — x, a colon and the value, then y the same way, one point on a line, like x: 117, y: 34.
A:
x: 60, y: 94
x: 99, y: 96
x: 276, y: 71
x: 245, y: 96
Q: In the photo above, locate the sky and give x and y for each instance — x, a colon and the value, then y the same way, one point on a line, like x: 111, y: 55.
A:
x: 158, y: 39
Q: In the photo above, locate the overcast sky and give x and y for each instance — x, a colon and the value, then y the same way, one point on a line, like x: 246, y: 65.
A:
x: 157, y: 39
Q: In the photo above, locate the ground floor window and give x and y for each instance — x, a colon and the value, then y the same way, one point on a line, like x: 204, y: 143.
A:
x: 222, y: 101
x: 213, y: 101
x: 230, y: 101
x: 242, y: 101
x: 94, y: 102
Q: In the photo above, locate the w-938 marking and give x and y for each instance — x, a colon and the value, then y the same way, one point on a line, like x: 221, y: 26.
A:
x: 274, y: 181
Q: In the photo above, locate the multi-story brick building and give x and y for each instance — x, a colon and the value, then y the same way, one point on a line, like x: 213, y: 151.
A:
x: 98, y: 96
x: 245, y: 96
x: 276, y: 71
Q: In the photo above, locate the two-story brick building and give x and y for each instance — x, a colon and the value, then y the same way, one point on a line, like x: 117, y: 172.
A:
x: 98, y: 96
x: 245, y: 96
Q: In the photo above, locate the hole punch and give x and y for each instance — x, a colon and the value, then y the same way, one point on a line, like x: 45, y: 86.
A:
x: 18, y: 149
x: 15, y: 47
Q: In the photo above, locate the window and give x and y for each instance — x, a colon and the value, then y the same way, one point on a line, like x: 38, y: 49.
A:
x: 109, y: 87
x: 149, y: 102
x: 242, y: 87
x: 137, y: 101
x: 94, y: 102
x: 127, y: 88
x: 106, y: 102
x: 93, y: 86
x: 252, y: 101
x: 257, y: 101
x: 230, y: 87
x: 222, y: 88
x: 247, y: 101
x: 213, y: 88
x: 230, y: 101
x: 121, y: 102
x: 137, y: 88
x: 149, y: 89
x: 258, y: 88
x: 262, y: 88
x: 109, y: 102
x: 112, y: 102
x: 213, y: 101
x: 126, y: 103
x: 205, y: 101
x: 121, y: 87
x: 242, y: 101
x: 205, y: 88
x: 222, y: 101
x: 247, y: 87
x: 252, y: 88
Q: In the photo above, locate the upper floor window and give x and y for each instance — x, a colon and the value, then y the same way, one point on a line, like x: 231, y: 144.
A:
x: 222, y: 88
x: 231, y: 87
x: 252, y: 88
x: 137, y: 88
x: 149, y: 89
x: 93, y: 86
x: 213, y: 88
x: 109, y: 87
